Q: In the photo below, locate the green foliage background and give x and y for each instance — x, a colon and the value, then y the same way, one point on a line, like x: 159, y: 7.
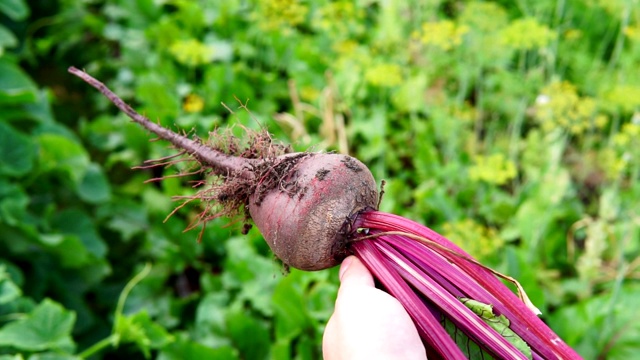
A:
x: 511, y: 126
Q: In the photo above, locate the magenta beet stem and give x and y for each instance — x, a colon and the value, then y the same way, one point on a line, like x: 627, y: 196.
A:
x: 429, y: 327
x: 463, y: 276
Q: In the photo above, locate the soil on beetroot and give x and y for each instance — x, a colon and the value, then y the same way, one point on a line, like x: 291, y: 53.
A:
x: 322, y: 174
x: 351, y: 164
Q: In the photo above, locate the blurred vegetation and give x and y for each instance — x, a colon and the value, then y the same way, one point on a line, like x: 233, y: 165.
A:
x: 512, y: 127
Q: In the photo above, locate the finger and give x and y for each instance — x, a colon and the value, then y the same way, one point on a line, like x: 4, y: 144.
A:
x: 368, y: 323
x: 353, y: 273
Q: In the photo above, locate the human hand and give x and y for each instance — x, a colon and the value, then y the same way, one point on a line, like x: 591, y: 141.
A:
x: 368, y: 323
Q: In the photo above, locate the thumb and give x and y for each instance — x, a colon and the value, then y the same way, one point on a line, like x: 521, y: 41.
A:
x: 353, y: 272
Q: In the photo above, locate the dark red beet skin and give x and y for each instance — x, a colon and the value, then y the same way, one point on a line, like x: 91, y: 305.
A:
x: 302, y: 221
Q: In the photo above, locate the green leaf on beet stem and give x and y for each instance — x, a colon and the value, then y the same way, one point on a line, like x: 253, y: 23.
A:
x: 48, y: 326
x: 498, y: 323
x: 469, y: 347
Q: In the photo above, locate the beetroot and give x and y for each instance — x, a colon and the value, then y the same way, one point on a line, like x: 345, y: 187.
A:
x: 302, y: 203
x: 306, y: 220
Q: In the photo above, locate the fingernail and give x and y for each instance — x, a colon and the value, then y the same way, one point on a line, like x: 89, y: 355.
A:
x: 345, y: 265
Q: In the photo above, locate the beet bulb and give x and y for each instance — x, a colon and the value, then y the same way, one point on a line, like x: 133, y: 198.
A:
x: 306, y: 221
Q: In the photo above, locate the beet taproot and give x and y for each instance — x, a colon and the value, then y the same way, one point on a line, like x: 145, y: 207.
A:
x: 302, y: 203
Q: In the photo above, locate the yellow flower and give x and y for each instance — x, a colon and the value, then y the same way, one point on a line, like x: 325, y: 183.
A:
x: 626, y: 147
x: 626, y: 97
x: 613, y: 7
x: 191, y: 52
x: 560, y: 106
x: 338, y: 17
x: 611, y: 163
x: 384, y: 75
x: 601, y: 121
x: 465, y: 112
x: 493, y: 169
x: 478, y: 240
x: 279, y: 14
x: 573, y: 34
x: 346, y: 47
x: 484, y: 16
x: 527, y: 34
x: 444, y: 34
x: 309, y: 93
x: 629, y: 133
x: 633, y: 33
x: 193, y: 103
